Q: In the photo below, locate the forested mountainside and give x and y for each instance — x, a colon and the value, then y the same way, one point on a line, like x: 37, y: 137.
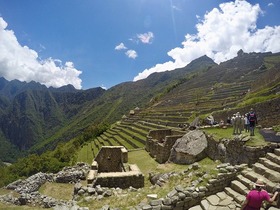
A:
x: 35, y: 118
x: 31, y: 112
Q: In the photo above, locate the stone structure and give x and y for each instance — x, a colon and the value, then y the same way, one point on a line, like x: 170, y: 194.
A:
x: 159, y: 143
x: 28, y: 194
x: 186, y: 197
x: 108, y: 169
x: 235, y: 151
x: 167, y: 145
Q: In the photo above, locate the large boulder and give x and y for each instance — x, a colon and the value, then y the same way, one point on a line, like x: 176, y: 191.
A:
x: 190, y: 148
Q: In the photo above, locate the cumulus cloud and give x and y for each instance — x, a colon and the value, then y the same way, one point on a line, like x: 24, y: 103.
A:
x: 220, y: 34
x: 131, y: 54
x: 22, y: 63
x: 146, y: 38
x: 121, y: 46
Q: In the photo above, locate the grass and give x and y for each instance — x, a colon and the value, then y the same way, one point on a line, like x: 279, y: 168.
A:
x: 86, y: 154
x: 255, y: 100
x: 57, y: 190
x: 14, y: 207
x: 276, y: 128
x: 220, y: 133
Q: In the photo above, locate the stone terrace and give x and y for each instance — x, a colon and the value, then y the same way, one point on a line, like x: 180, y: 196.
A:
x: 267, y: 168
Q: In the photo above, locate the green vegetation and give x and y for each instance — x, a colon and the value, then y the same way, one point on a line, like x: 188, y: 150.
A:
x: 255, y: 100
x: 276, y: 128
x: 219, y: 133
x: 50, y: 161
x: 271, y: 61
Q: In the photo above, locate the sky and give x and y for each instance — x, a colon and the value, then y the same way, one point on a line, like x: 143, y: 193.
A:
x: 102, y: 43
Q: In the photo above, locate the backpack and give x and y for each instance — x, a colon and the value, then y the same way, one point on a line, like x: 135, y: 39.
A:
x: 252, y: 116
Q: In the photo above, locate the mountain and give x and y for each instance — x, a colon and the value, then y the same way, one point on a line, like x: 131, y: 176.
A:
x: 34, y: 118
x: 31, y: 112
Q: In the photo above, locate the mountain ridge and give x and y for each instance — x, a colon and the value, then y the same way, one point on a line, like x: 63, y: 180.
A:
x: 32, y: 114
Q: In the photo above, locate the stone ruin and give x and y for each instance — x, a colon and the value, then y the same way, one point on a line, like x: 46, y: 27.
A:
x: 177, y: 146
x: 160, y: 142
x: 110, y: 169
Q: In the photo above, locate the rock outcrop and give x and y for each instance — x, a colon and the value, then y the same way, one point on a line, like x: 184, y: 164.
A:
x: 190, y: 148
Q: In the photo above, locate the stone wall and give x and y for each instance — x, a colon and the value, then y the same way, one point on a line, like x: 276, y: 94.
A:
x: 235, y: 151
x: 132, y: 178
x: 184, y: 198
x: 110, y: 159
x: 268, y: 112
x: 108, y: 170
x: 159, y: 143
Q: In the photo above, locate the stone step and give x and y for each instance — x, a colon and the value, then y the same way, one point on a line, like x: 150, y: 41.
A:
x: 277, y: 152
x: 239, y: 187
x: 197, y: 207
x: 269, y: 164
x: 235, y: 195
x: 273, y: 157
x: 247, y: 182
x: 272, y: 175
x: 219, y: 201
x: 253, y: 176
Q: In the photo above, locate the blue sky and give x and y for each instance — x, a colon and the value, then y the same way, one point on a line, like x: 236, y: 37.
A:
x: 92, y: 43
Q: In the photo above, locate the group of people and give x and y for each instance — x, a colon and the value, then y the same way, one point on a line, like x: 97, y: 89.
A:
x: 245, y: 122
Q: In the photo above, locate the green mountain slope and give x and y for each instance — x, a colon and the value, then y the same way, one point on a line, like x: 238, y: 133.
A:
x: 35, y: 118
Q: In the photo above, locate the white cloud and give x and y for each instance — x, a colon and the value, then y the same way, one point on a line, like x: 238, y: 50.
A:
x: 103, y: 87
x: 220, y: 34
x: 22, y: 63
x: 131, y: 54
x: 146, y: 38
x: 270, y: 4
x: 176, y: 8
x: 121, y: 46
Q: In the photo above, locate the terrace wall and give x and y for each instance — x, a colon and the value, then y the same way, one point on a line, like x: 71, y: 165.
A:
x: 133, y: 178
x: 159, y: 143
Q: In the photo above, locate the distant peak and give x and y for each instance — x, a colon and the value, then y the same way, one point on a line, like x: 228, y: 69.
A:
x: 202, y: 59
x: 240, y: 52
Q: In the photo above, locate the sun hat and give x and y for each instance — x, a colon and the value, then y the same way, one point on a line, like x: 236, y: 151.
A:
x: 259, y: 183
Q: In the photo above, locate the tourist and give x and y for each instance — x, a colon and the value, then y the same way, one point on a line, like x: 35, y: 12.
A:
x: 233, y: 123
x: 256, y: 196
x: 252, y: 117
x: 221, y: 123
x: 228, y: 121
x: 238, y: 123
x: 246, y: 123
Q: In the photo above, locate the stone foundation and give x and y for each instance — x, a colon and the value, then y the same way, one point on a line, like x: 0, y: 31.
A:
x: 108, y: 169
x: 132, y: 178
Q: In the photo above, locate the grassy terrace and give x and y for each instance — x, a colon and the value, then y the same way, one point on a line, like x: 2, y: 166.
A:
x: 134, y: 129
x: 219, y: 133
x: 137, y: 138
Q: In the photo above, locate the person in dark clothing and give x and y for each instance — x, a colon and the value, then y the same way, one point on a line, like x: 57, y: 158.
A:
x: 252, y: 117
